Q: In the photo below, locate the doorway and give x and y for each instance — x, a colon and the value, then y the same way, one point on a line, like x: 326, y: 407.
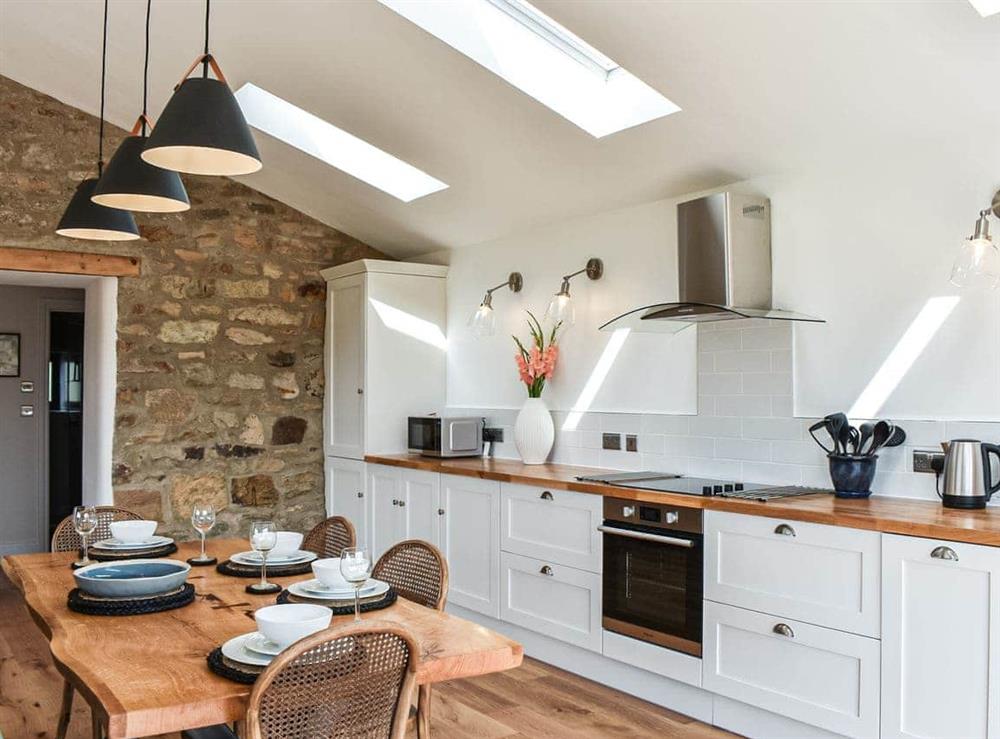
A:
x: 65, y: 409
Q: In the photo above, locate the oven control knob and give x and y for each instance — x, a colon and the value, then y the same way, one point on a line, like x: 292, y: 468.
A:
x: 671, y: 517
x: 717, y: 489
x: 729, y: 488
x: 707, y: 490
x: 628, y: 511
x: 738, y: 486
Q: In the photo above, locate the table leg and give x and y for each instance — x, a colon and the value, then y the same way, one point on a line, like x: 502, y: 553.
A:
x: 65, y: 710
x: 424, y: 712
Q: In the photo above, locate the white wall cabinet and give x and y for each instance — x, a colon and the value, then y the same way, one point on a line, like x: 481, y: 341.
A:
x: 819, y: 676
x: 385, y: 353
x: 346, y: 485
x: 940, y: 639
x: 470, y: 540
x: 824, y: 575
x: 555, y: 525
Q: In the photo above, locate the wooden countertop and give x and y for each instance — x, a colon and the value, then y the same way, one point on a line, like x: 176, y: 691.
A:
x: 878, y: 513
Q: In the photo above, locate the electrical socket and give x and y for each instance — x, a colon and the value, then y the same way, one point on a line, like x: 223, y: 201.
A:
x: 925, y: 461
x: 631, y: 443
x: 494, y: 434
x: 611, y: 441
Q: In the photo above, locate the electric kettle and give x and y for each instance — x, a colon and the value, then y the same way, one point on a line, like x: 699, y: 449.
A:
x: 969, y: 481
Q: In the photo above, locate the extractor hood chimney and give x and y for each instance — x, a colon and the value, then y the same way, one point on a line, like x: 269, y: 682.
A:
x: 724, y: 267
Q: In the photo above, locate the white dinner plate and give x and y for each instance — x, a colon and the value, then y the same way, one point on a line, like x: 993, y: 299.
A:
x: 236, y: 650
x: 372, y: 589
x: 153, y: 541
x: 253, y: 559
x: 260, y: 644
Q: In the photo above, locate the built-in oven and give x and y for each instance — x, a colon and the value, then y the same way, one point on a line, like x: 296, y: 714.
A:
x: 653, y: 567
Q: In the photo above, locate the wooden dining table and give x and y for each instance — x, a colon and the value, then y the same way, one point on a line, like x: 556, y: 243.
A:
x: 146, y: 675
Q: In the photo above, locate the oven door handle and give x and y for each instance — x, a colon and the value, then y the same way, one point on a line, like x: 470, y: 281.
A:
x: 671, y: 540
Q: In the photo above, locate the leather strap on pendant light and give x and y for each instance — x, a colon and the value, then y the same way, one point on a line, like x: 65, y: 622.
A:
x: 209, y: 61
x: 141, y: 124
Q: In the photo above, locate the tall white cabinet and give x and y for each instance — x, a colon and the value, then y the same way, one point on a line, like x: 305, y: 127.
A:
x: 940, y: 639
x: 384, y: 360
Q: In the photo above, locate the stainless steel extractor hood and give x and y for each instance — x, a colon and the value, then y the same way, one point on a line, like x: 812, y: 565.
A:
x: 724, y: 267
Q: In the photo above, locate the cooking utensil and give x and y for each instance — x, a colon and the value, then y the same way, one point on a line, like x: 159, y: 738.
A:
x: 855, y: 438
x: 897, y: 437
x: 865, y: 430
x: 880, y: 435
x: 838, y: 425
x: 824, y: 425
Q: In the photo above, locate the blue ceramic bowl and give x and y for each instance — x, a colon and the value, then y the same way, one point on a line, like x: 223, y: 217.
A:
x: 134, y: 578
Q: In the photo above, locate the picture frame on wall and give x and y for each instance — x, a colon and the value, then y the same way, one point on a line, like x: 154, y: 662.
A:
x: 10, y: 355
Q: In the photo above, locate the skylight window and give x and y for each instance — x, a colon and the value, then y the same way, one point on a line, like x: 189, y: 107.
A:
x: 543, y: 59
x: 986, y: 7
x: 336, y: 147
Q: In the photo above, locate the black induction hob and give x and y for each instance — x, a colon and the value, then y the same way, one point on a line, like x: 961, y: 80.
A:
x: 666, y: 482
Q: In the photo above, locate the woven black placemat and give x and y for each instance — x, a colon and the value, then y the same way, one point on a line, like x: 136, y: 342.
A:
x: 94, y: 605
x: 239, y: 673
x: 236, y: 569
x: 106, y: 555
x: 341, y: 610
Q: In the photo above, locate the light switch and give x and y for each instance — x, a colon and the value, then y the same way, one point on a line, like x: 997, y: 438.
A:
x: 27, y: 410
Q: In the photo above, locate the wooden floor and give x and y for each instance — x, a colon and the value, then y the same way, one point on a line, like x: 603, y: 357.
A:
x: 535, y: 700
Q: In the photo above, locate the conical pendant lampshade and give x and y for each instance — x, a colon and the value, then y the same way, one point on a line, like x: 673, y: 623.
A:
x: 202, y: 131
x: 85, y: 219
x: 131, y: 183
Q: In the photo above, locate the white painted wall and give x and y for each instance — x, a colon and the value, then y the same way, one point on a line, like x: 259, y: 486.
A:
x: 651, y: 373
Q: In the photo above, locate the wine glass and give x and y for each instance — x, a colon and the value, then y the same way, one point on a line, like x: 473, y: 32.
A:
x: 203, y: 519
x: 355, y: 566
x: 263, y: 537
x: 84, y: 522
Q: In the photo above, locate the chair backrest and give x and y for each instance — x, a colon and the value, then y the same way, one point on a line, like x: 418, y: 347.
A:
x: 329, y: 537
x: 343, y: 683
x: 65, y: 538
x: 418, y: 572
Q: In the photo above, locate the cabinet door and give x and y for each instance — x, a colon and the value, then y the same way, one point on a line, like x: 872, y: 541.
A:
x: 345, y: 368
x: 822, y: 677
x: 558, y: 601
x: 939, y: 638
x: 470, y: 538
x: 345, y: 494
x: 419, y: 496
x: 385, y: 524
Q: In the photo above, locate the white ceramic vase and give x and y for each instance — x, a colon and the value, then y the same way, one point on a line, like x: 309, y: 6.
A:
x: 534, y: 431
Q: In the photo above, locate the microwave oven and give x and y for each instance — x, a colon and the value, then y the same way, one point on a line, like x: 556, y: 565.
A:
x: 445, y: 436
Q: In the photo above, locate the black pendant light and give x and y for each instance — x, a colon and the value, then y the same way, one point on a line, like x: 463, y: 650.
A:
x: 202, y: 130
x: 131, y: 183
x: 85, y: 219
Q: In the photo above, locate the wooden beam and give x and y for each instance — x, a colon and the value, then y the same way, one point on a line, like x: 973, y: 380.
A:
x: 68, y: 262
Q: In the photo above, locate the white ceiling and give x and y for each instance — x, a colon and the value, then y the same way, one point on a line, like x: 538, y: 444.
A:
x: 764, y: 87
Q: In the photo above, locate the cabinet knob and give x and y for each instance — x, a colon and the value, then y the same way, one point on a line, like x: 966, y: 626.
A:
x: 546, y: 570
x: 671, y: 517
x: 785, y: 530
x: 395, y: 502
x: 440, y: 511
x: 360, y: 494
x: 546, y: 495
x: 784, y: 630
x: 944, y: 553
x: 402, y: 504
x: 361, y: 391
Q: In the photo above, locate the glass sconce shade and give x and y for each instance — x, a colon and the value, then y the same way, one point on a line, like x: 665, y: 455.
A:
x: 560, y: 308
x: 977, y: 265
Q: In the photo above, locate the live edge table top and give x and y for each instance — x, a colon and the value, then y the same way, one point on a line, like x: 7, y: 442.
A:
x: 147, y: 674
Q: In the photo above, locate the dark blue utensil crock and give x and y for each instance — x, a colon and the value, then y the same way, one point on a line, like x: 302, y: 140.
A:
x: 852, y: 474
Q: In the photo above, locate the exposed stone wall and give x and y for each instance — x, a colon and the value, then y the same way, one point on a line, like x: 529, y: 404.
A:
x: 220, y: 339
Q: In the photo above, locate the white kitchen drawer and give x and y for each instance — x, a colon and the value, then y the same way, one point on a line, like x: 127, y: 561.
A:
x: 558, y: 601
x: 555, y: 525
x: 824, y: 575
x: 815, y: 675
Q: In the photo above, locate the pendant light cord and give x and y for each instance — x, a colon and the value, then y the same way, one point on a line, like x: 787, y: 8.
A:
x: 104, y: 64
x: 204, y: 66
x: 145, y: 68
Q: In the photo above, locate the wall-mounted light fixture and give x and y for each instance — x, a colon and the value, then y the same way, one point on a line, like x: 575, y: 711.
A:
x: 978, y: 262
x: 484, y: 321
x: 560, y: 308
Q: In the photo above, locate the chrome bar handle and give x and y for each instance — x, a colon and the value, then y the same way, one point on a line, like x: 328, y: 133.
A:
x: 671, y: 540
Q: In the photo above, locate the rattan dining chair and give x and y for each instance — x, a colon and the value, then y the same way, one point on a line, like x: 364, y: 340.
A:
x: 328, y: 538
x: 419, y: 572
x: 65, y: 539
x: 352, y: 682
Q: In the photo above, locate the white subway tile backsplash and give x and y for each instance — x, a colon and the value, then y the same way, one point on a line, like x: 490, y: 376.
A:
x: 767, y: 338
x: 720, y: 384
x: 767, y: 383
x: 715, y: 341
x: 722, y: 469
x: 745, y: 449
x: 706, y: 362
x: 669, y: 425
x: 716, y: 426
x: 741, y: 361
x: 690, y: 446
x: 706, y: 405
x: 799, y: 452
x: 743, y: 405
x: 782, y: 406
x: 772, y: 428
x: 773, y: 474
x: 619, y: 460
x: 971, y: 430
x: 589, y: 439
x: 652, y: 444
x: 623, y: 423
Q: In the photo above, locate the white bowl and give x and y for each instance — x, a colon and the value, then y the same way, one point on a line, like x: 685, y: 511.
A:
x: 288, y: 543
x: 327, y: 571
x: 287, y: 623
x: 133, y: 532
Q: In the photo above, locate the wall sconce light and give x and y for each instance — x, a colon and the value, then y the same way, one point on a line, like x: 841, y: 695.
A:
x: 560, y: 308
x: 978, y: 262
x: 484, y: 321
